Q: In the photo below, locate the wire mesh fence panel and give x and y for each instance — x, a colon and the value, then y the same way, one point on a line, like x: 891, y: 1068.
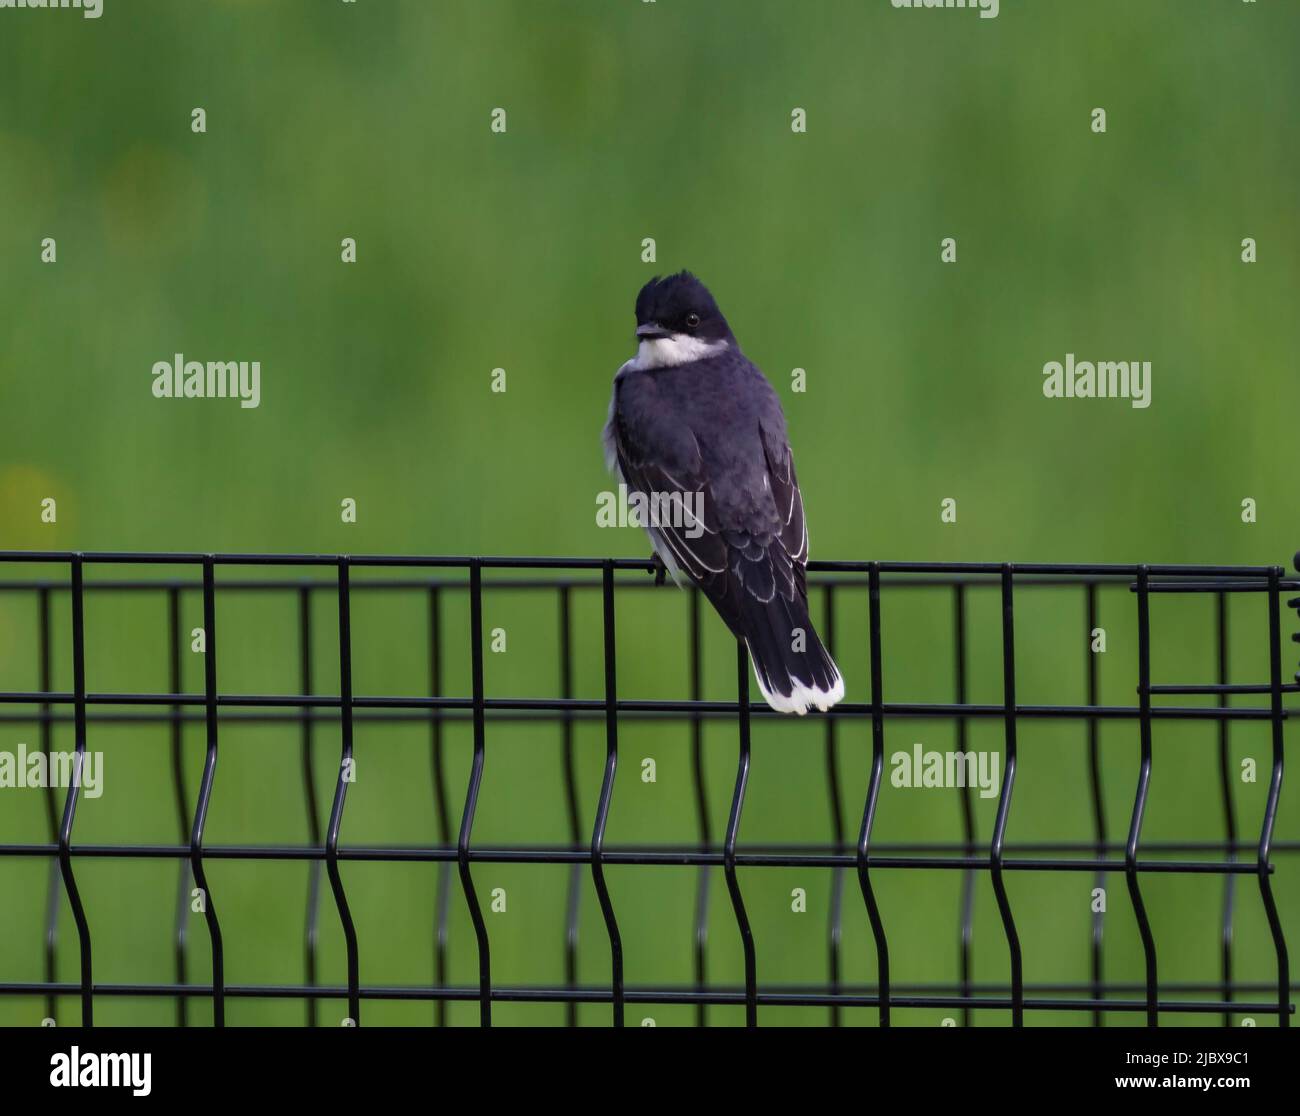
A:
x: 853, y: 597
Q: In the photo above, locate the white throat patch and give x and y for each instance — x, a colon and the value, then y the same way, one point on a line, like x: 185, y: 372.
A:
x: 680, y: 348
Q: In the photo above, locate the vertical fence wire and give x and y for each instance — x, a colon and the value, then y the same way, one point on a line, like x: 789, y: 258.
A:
x: 180, y: 932
x: 966, y: 927
x: 205, y: 790
x: 53, y: 889
x: 70, y: 803
x: 1229, y: 806
x: 307, y: 729
x: 835, y: 915
x: 873, y: 794
x: 471, y: 794
x: 1004, y: 798
x: 573, y: 904
x: 346, y: 774
x: 1096, y: 796
x: 1274, y: 793
x: 442, y: 814
x: 1140, y: 798
x: 701, y: 939
x: 606, y: 795
x: 733, y: 831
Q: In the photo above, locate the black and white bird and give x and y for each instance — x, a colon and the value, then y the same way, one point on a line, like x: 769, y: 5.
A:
x: 691, y: 416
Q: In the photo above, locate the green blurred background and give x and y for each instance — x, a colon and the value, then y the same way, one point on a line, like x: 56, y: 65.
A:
x: 522, y: 251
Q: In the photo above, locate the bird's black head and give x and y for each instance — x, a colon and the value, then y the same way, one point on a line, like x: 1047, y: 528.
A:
x: 680, y: 307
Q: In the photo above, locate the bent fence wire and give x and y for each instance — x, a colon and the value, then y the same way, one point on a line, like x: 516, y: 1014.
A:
x: 1239, y: 853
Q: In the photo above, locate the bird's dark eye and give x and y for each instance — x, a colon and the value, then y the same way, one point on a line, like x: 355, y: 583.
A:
x: 692, y: 320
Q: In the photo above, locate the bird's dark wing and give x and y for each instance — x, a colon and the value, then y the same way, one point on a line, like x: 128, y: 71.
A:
x: 789, y: 546
x: 667, y: 461
x: 754, y: 542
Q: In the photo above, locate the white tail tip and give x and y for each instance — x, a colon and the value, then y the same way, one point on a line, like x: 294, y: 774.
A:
x: 801, y: 698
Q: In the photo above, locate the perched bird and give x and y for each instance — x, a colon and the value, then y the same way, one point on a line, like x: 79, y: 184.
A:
x: 691, y: 418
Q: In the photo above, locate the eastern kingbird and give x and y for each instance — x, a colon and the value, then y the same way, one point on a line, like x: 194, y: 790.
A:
x: 694, y: 425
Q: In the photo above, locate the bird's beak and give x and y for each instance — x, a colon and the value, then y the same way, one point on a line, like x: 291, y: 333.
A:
x: 651, y: 331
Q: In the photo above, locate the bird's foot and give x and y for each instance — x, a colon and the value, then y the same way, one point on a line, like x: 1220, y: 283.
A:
x: 658, y: 568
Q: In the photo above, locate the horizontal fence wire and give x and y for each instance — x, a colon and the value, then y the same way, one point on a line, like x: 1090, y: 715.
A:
x: 1106, y: 852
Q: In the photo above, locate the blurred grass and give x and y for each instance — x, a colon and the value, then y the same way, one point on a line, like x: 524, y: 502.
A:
x: 522, y: 251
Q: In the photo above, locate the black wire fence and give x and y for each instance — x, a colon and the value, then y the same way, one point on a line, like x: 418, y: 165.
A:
x: 1236, y: 854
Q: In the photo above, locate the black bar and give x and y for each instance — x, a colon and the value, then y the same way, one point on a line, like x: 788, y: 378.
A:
x: 671, y: 856
x: 835, y: 914
x: 1140, y: 799
x: 966, y: 916
x: 717, y: 709
x: 70, y: 803
x: 996, y: 864
x: 53, y: 886
x: 471, y: 796
x: 798, y: 996
x: 573, y: 907
x: 346, y: 775
x: 417, y: 710
x: 311, y: 925
x: 1098, y: 799
x: 182, y: 920
x: 873, y: 797
x: 442, y: 812
x: 606, y: 794
x: 733, y: 830
x: 645, y: 565
x: 1274, y: 792
x: 701, y: 813
x: 1229, y: 806
x: 205, y: 791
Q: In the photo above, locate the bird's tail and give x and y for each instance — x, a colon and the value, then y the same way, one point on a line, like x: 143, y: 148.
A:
x: 794, y: 670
